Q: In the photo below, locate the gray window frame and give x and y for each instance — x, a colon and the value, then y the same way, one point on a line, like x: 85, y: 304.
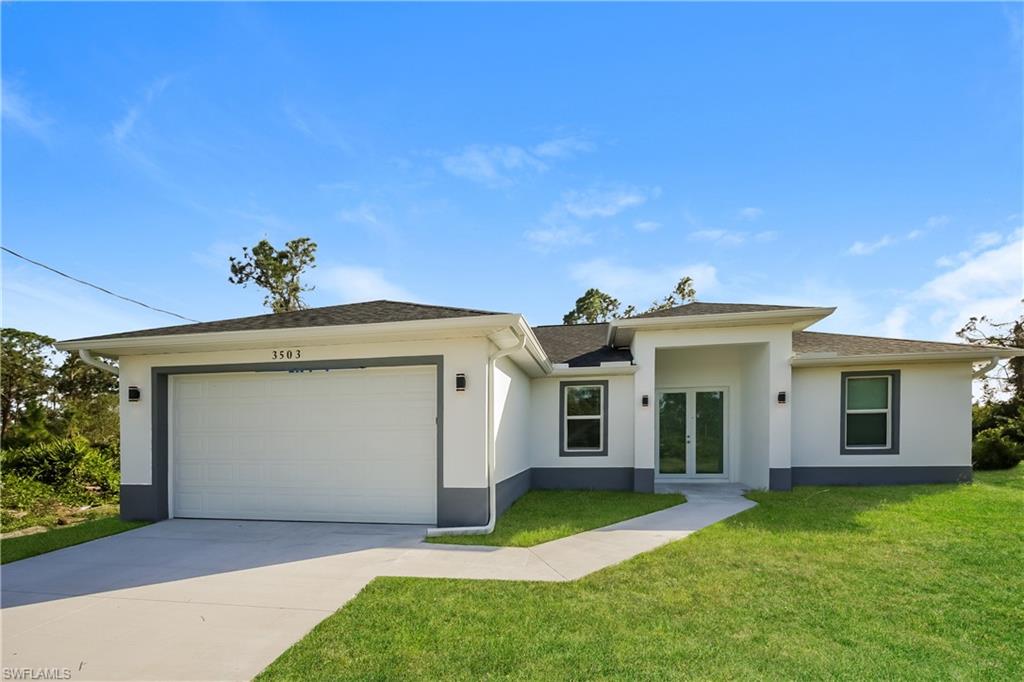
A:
x: 562, y: 450
x: 894, y: 413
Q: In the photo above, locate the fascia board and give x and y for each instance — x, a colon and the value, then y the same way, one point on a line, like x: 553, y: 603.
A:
x: 478, y: 325
x: 904, y: 358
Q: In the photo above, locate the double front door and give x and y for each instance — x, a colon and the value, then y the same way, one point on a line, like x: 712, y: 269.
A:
x: 691, y: 432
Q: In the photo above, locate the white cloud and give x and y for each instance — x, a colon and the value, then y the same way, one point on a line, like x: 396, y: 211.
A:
x: 20, y: 112
x: 914, y: 234
x: 895, y: 323
x: 492, y: 165
x: 370, y: 219
x: 641, y: 285
x: 562, y: 147
x: 125, y: 126
x: 732, y: 237
x: 545, y: 239
x: 362, y: 214
x: 558, y: 226
x: 598, y: 202
x: 937, y: 221
x: 352, y: 283
x: 646, y: 225
x: 750, y: 213
x: 989, y: 281
x: 317, y: 127
x: 500, y: 165
x: 980, y: 242
x: 867, y: 248
x: 986, y: 240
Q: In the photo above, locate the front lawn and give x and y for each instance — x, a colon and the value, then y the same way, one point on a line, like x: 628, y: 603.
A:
x: 22, y: 547
x: 918, y: 582
x: 543, y: 515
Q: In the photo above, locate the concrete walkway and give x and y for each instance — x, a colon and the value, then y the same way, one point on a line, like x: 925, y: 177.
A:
x: 219, y: 600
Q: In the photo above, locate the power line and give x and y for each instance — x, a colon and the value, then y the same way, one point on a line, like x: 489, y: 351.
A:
x: 99, y: 288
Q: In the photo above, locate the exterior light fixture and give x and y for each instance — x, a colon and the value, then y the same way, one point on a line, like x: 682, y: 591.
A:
x: 645, y: 400
x: 134, y: 394
x: 782, y: 397
x: 460, y: 382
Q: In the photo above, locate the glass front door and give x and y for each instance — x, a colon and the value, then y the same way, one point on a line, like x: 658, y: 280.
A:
x: 691, y: 432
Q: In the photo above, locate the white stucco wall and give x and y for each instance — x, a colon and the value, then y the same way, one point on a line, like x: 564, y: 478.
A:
x: 779, y: 340
x: 545, y: 418
x: 756, y: 402
x: 935, y: 417
x: 465, y: 413
x: 511, y: 419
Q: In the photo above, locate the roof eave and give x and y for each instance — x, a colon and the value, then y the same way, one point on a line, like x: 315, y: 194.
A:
x: 256, y: 338
x: 799, y: 318
x: 982, y: 354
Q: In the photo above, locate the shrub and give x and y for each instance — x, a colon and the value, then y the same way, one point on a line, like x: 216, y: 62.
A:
x: 26, y: 503
x: 77, y: 472
x: 51, y: 463
x: 98, y: 472
x: 22, y: 493
x: 994, y: 449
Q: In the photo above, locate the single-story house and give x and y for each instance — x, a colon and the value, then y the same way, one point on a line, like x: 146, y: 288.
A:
x: 405, y: 413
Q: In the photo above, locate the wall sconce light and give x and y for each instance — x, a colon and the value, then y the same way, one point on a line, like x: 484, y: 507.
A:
x: 460, y: 382
x: 645, y: 400
x: 782, y: 398
x: 134, y: 394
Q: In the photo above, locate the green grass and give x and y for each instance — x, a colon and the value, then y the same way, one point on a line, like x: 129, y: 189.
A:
x: 543, y: 515
x: 917, y: 582
x: 13, y: 549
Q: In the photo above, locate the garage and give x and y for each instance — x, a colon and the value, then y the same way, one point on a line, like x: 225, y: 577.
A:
x: 356, y: 445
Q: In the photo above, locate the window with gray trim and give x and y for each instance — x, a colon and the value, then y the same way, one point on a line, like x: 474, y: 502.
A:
x: 583, y: 418
x: 870, y: 413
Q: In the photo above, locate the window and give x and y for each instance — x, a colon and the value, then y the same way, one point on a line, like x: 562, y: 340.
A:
x: 870, y: 413
x: 584, y: 428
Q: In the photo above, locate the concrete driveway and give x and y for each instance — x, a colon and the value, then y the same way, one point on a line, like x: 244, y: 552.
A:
x: 219, y: 600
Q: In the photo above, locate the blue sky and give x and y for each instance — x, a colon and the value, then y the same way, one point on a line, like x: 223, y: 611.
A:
x: 507, y: 157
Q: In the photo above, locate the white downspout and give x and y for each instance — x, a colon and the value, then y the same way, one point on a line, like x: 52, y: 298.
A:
x: 491, y: 447
x: 88, y: 359
x: 982, y: 371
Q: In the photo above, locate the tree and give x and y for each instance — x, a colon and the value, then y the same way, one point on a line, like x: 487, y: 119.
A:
x: 1009, y: 377
x: 75, y: 380
x: 276, y: 271
x: 597, y: 306
x: 683, y: 293
x: 88, y: 402
x: 25, y: 374
x: 592, y: 306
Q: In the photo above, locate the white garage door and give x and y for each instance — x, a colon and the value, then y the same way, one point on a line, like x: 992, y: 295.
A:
x: 326, y: 445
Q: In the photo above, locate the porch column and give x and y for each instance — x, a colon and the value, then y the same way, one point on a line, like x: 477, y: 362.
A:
x: 780, y: 378
x: 644, y: 417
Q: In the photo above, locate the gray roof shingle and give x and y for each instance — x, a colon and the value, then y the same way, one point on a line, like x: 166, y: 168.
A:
x: 370, y: 312
x: 848, y: 344
x: 579, y: 345
x: 700, y: 308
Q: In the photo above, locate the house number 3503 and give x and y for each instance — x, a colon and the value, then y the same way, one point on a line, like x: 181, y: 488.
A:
x: 293, y: 354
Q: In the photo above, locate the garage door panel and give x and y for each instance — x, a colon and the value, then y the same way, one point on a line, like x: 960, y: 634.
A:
x: 344, y: 445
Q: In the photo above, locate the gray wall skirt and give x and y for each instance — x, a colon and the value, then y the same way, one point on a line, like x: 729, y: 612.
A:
x: 643, y: 480
x: 780, y: 479
x: 511, y: 489
x: 140, y: 503
x: 880, y: 475
x: 582, y: 478
x: 463, y: 507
